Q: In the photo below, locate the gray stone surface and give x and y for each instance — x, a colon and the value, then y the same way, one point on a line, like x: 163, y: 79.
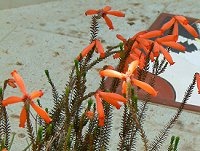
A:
x: 50, y: 35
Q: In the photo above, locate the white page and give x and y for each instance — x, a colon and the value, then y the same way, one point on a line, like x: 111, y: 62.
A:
x: 180, y: 74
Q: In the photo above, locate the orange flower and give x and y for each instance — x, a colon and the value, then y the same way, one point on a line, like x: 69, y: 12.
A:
x: 27, y: 99
x: 128, y: 78
x: 100, y: 111
x: 104, y: 12
x: 142, y: 41
x: 169, y: 41
x: 120, y: 37
x: 140, y: 45
x: 174, y: 23
x: 197, y: 76
x: 112, y: 98
x: 89, y: 114
x: 4, y: 149
x: 98, y: 49
x: 150, y: 34
x: 166, y: 54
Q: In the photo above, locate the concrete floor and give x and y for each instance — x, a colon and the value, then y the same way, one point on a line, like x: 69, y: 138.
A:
x: 50, y: 35
x: 8, y: 4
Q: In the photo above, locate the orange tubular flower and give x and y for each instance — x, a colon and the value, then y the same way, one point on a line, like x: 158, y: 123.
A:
x: 142, y: 41
x: 104, y: 12
x: 112, y: 98
x: 128, y: 77
x: 4, y: 149
x: 89, y: 115
x: 100, y: 111
x: 166, y: 54
x: 27, y: 99
x: 169, y: 41
x: 151, y: 34
x: 98, y: 48
x: 197, y: 76
x: 174, y: 23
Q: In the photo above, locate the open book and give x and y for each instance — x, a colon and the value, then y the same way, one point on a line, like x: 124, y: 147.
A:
x: 180, y: 74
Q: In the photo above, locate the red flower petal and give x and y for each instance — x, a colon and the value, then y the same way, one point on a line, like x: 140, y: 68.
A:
x: 86, y: 50
x: 167, y: 25
x: 167, y: 38
x: 132, y: 66
x: 146, y: 87
x: 151, y: 34
x: 100, y: 48
x: 100, y: 110
x: 156, y: 48
x: 175, y: 29
x: 111, y: 73
x: 124, y: 87
x: 112, y: 98
x: 41, y: 112
x: 23, y: 117
x: 144, y: 42
x: 19, y: 81
x: 91, y: 12
x: 139, y: 33
x: 166, y: 55
x: 135, y: 45
x: 136, y: 51
x: 107, y: 8
x: 197, y: 76
x: 11, y: 100
x: 116, y: 13
x: 89, y: 115
x: 120, y: 37
x: 108, y: 22
x: 190, y: 29
x: 181, y: 19
x: 142, y: 62
x: 174, y: 45
x: 36, y: 94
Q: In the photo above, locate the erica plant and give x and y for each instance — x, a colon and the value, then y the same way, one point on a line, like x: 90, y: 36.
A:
x: 82, y: 120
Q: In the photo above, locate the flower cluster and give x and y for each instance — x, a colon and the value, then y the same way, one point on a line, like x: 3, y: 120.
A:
x: 140, y: 46
x: 116, y: 99
x: 175, y: 20
x: 152, y: 43
x: 128, y: 77
x: 134, y: 55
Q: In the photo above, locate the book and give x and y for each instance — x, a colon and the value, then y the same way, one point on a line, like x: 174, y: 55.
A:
x: 176, y: 79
